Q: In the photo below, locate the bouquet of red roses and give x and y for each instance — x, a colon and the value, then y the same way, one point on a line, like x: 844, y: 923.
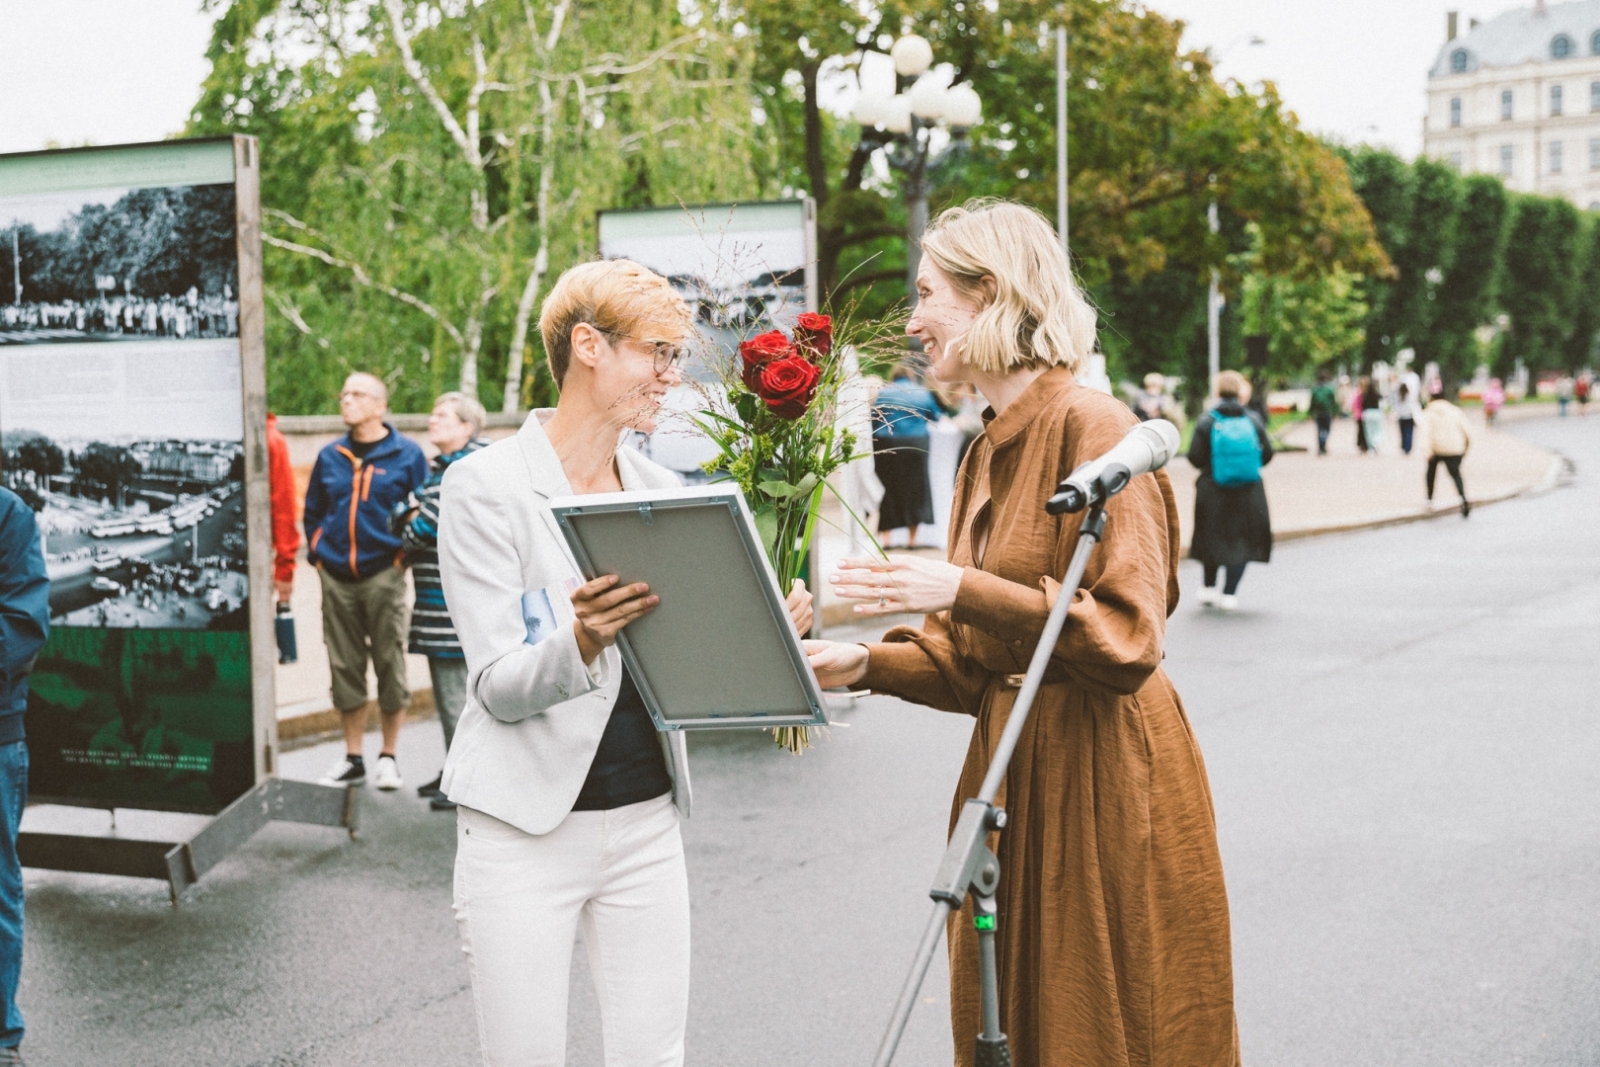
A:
x: 779, y: 440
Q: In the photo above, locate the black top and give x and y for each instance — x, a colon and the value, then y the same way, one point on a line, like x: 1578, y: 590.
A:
x: 629, y: 766
x: 361, y: 448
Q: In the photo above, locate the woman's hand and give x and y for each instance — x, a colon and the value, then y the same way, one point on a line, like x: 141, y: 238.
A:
x: 898, y: 584
x: 799, y: 605
x: 837, y: 664
x: 604, y: 608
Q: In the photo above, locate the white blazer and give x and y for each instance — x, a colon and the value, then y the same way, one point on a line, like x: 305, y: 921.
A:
x: 534, y: 713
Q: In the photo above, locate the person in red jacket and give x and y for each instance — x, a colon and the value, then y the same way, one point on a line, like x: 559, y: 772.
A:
x: 285, y: 531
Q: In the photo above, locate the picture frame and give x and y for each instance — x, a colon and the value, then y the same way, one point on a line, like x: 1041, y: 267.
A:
x: 719, y: 651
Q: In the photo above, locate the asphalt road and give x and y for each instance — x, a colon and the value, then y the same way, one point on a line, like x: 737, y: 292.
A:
x: 1401, y: 733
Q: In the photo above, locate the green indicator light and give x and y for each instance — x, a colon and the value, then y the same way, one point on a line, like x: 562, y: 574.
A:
x: 983, y: 922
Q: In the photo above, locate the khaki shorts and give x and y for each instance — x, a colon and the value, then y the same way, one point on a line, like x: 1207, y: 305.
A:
x: 365, y: 619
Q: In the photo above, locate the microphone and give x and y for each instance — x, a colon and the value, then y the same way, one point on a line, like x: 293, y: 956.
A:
x: 1147, y: 447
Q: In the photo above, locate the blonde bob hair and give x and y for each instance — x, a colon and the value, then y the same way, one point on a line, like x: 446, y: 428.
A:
x: 618, y: 297
x: 1007, y: 259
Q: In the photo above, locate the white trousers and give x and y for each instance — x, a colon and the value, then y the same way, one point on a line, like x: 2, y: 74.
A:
x: 519, y: 900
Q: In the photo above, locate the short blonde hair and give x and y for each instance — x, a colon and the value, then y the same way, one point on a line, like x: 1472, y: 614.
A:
x: 1231, y: 385
x: 464, y: 408
x: 1007, y: 258
x: 619, y: 298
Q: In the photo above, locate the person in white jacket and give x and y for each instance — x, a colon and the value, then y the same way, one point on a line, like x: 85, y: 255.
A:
x: 568, y: 799
x: 1448, y: 439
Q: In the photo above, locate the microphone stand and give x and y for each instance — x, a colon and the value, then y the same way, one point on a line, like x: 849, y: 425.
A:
x: 968, y: 866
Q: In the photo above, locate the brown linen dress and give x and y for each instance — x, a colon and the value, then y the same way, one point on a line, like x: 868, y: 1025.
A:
x: 1113, y: 939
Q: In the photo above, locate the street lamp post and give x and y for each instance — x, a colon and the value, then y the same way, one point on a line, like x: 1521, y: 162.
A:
x: 903, y: 125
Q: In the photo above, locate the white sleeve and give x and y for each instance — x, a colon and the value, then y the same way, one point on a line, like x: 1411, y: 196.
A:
x: 481, y: 568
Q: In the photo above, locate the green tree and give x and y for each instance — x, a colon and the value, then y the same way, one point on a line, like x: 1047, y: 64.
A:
x: 1385, y: 185
x: 1538, y: 281
x: 1428, y: 251
x: 1585, y: 311
x: 428, y: 168
x: 1464, y: 299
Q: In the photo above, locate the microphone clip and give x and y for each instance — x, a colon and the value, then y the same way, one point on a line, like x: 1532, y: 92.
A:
x: 1074, y: 494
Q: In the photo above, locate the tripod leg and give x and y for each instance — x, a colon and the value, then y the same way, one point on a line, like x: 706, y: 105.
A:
x: 993, y: 1050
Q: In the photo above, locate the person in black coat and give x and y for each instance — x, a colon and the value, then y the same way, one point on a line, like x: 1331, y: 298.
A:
x: 1232, y: 526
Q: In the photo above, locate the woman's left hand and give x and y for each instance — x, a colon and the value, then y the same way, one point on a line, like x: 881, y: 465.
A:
x: 799, y: 605
x: 898, y: 584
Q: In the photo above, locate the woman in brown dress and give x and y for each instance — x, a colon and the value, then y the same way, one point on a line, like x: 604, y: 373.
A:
x: 1113, y: 938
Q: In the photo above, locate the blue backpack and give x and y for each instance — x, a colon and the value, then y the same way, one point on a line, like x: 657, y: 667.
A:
x: 1235, y: 451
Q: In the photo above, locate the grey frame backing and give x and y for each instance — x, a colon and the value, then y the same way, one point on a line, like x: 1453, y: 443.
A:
x: 720, y: 650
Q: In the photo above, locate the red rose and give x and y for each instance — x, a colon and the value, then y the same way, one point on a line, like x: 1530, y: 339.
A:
x: 787, y: 385
x: 814, y: 334
x: 759, y: 351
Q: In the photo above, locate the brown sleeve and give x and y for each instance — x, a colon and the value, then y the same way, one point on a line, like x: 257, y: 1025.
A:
x: 924, y: 667
x: 1117, y: 622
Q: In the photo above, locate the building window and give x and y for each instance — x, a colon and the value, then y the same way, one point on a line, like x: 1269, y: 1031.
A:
x: 1555, y: 157
x: 1505, y: 105
x: 1455, y: 161
x: 1594, y: 96
x: 1561, y: 47
x: 1594, y: 43
x: 1594, y: 153
x: 1458, y: 58
x: 1555, y: 100
x: 1508, y: 155
x: 1455, y: 110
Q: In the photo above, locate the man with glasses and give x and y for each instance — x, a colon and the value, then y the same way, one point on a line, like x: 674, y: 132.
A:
x: 355, y: 485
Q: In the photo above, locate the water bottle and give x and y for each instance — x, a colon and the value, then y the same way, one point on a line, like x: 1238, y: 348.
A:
x: 284, y: 624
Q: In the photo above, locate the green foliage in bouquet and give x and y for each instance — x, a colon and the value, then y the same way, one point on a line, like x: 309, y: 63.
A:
x: 778, y: 430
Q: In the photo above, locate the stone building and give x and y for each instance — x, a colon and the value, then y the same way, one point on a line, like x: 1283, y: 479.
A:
x: 1519, y: 96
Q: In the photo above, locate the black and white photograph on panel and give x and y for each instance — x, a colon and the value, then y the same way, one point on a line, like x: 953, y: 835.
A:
x: 132, y: 456
x: 119, y: 264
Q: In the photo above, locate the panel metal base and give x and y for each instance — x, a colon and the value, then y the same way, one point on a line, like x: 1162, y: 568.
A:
x: 181, y: 864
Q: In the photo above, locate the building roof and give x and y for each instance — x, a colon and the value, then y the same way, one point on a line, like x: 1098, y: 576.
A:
x: 1524, y: 36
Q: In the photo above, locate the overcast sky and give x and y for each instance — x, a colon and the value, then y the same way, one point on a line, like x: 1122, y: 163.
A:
x: 117, y: 71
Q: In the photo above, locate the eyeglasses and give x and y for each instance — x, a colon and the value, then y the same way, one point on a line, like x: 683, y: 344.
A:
x: 664, y: 355
x: 356, y: 394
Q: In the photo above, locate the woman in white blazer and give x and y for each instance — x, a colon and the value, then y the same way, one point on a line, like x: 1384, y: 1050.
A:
x: 568, y: 798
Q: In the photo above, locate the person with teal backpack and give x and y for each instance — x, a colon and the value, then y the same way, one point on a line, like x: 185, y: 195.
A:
x: 1232, y: 526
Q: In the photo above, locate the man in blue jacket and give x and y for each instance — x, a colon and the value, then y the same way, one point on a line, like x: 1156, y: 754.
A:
x: 356, y: 482
x: 24, y: 625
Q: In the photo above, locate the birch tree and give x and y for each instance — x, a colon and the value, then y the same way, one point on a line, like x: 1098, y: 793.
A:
x: 429, y: 167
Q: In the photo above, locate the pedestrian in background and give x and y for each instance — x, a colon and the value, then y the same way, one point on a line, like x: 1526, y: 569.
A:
x: 1405, y: 412
x: 355, y: 485
x: 1324, y: 403
x: 1580, y: 392
x: 453, y: 429
x: 1494, y: 398
x: 1232, y: 526
x: 1563, y: 394
x: 900, y: 418
x: 285, y: 534
x: 24, y: 625
x: 1358, y: 400
x: 1448, y: 439
x: 1372, y: 416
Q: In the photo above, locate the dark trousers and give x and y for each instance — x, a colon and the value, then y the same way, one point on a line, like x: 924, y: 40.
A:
x: 1451, y: 464
x: 1408, y: 430
x: 1324, y: 425
x: 13, y: 798
x: 1230, y: 585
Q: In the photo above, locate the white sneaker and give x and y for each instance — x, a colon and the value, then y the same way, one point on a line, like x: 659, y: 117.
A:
x: 1208, y: 596
x: 386, y: 775
x: 1229, y: 602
